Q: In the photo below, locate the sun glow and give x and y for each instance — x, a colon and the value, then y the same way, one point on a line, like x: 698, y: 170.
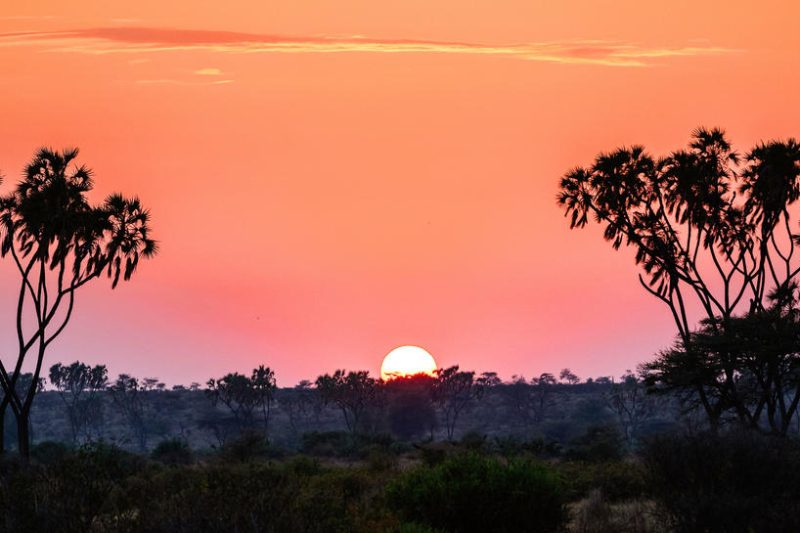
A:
x: 407, y: 361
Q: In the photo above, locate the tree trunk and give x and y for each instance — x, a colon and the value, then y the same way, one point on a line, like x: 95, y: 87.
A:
x: 23, y: 436
x: 2, y: 429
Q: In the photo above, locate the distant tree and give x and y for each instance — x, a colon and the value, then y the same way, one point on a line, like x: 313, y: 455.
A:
x: 531, y: 401
x: 243, y: 395
x: 59, y: 243
x: 711, y: 229
x: 631, y: 404
x: 78, y: 385
x: 264, y: 384
x: 298, y: 403
x: 128, y: 395
x: 488, y: 380
x: 453, y: 391
x: 568, y: 377
x: 352, y: 392
x: 410, y: 407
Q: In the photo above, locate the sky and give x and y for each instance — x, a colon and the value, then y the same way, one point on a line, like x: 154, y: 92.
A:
x: 331, y: 179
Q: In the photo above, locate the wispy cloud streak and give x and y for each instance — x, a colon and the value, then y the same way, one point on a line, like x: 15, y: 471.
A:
x: 155, y: 40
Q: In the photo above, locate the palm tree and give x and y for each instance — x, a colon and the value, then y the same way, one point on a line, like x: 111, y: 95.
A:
x: 59, y: 242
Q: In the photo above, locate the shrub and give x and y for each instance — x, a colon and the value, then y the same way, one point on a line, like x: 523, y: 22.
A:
x: 599, y: 443
x: 469, y: 492
x: 617, y: 480
x: 249, y: 446
x: 173, y: 452
x: 732, y: 482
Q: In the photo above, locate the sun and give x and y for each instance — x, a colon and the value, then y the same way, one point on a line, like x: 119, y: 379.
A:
x: 407, y: 361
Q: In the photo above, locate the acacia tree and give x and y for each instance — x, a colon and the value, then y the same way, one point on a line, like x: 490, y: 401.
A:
x: 127, y: 393
x: 59, y: 243
x: 352, y: 392
x: 243, y: 395
x: 453, y: 391
x: 711, y: 230
x: 78, y: 386
x: 632, y: 405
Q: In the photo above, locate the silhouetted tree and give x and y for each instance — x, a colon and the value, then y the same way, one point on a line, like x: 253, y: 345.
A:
x: 58, y: 243
x: 127, y: 394
x: 453, y: 391
x: 410, y: 407
x: 710, y: 228
x: 352, y: 392
x: 569, y: 377
x: 298, y: 403
x: 78, y: 386
x: 531, y: 401
x: 632, y: 405
x: 242, y: 395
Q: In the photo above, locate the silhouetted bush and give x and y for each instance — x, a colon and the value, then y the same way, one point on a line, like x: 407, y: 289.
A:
x: 343, y: 444
x: 599, y: 443
x: 469, y: 492
x: 50, y: 452
x: 173, y: 452
x: 249, y: 446
x: 732, y: 482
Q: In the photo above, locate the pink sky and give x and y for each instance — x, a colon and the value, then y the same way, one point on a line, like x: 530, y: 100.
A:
x: 332, y: 179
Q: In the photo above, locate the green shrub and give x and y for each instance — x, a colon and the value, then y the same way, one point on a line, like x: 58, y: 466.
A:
x: 66, y: 495
x: 469, y: 492
x: 616, y: 480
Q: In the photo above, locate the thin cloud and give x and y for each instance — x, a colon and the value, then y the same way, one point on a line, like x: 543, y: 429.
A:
x: 168, y: 81
x: 208, y: 72
x: 154, y: 40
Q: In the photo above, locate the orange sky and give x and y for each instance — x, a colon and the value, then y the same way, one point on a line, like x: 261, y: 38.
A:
x: 332, y: 179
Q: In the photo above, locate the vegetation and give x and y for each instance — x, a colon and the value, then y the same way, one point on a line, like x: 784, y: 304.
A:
x: 703, y: 438
x: 59, y: 243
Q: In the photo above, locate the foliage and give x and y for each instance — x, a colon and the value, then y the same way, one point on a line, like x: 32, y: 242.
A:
x: 242, y: 395
x: 470, y: 492
x: 352, y: 392
x: 599, y: 443
x: 453, y: 391
x: 78, y: 386
x: 711, y: 229
x: 173, y: 452
x: 616, y: 480
x: 59, y: 242
x: 730, y: 482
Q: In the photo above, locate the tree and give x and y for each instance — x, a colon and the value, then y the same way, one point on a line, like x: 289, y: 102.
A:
x: 352, y: 392
x: 243, y: 395
x: 531, y: 401
x: 453, y: 391
x: 127, y: 394
x: 298, y: 403
x: 567, y: 376
x: 710, y: 229
x: 410, y: 407
x: 630, y: 402
x: 78, y: 386
x: 59, y: 243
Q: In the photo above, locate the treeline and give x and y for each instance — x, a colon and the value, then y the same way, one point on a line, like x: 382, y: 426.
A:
x: 79, y: 404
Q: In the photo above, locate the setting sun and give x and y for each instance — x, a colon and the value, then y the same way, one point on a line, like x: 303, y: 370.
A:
x: 407, y: 361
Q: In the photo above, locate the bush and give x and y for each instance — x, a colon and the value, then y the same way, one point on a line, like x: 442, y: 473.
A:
x: 732, y: 482
x: 67, y: 495
x: 616, y: 480
x: 249, y: 446
x: 599, y: 443
x: 470, y: 492
x: 173, y: 452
